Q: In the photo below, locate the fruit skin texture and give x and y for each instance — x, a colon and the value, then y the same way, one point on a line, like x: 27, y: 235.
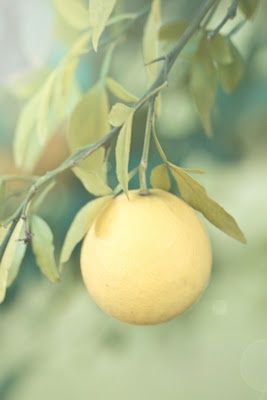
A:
x: 146, y: 259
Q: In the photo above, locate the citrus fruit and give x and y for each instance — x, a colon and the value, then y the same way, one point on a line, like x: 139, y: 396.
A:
x: 146, y: 259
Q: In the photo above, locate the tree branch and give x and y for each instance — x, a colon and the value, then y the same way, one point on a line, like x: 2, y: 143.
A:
x: 86, y: 151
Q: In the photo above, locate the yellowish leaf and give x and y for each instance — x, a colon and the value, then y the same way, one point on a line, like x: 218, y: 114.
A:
x: 203, y: 85
x: 119, y: 114
x: 195, y: 195
x: 123, y: 152
x: 29, y: 84
x: 150, y: 40
x: 12, y: 258
x: 172, y: 30
x: 26, y: 143
x: 248, y: 7
x: 81, y: 225
x: 89, y: 123
x: 231, y: 74
x: 194, y: 171
x: 131, y: 175
x: 3, y: 233
x: 45, y: 111
x: 74, y: 13
x: 120, y: 92
x: 42, y: 123
x: 160, y: 178
x: 220, y: 49
x: 99, y: 12
x: 93, y: 182
x: 43, y: 248
x: 2, y: 199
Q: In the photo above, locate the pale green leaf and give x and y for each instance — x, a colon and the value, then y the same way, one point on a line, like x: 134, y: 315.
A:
x: 150, y: 40
x: 93, y: 182
x: 172, y: 30
x: 29, y: 84
x: 123, y: 152
x: 120, y: 92
x: 195, y: 195
x: 12, y: 257
x: 203, y: 86
x: 194, y: 171
x: 81, y: 225
x: 99, y: 12
x: 231, y: 74
x: 248, y: 7
x: 119, y: 114
x: 2, y: 195
x: 43, y: 248
x: 44, y: 112
x: 26, y: 144
x: 3, y: 232
x: 89, y: 123
x: 220, y: 49
x: 131, y: 175
x: 159, y: 178
x: 79, y: 47
x: 74, y: 13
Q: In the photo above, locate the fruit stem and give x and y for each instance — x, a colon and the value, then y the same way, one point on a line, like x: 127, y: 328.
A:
x: 144, y: 159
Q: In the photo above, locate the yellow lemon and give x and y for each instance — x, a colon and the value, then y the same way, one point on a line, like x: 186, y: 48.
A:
x: 146, y: 259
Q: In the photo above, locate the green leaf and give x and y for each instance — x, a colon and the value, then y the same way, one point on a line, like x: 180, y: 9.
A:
x: 81, y: 225
x: 42, y: 124
x: 194, y: 171
x: 2, y: 195
x: 93, y: 182
x: 43, y: 248
x: 119, y: 114
x: 203, y: 85
x: 195, y: 195
x: 159, y: 178
x: 131, y: 175
x: 73, y: 12
x: 26, y: 143
x: 150, y: 40
x: 3, y: 233
x: 220, y: 49
x: 123, y: 152
x: 29, y: 84
x: 120, y: 92
x: 99, y: 12
x: 89, y: 123
x: 172, y: 31
x: 12, y: 257
x: 231, y: 74
x: 248, y: 7
x: 48, y: 108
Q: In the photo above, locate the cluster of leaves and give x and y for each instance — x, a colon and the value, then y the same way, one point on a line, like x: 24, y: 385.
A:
x: 90, y: 117
x: 215, y: 60
x: 57, y: 99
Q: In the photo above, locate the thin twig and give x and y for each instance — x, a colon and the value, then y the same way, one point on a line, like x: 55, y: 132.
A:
x: 11, y: 178
x: 230, y: 14
x: 210, y: 15
x: 236, y: 28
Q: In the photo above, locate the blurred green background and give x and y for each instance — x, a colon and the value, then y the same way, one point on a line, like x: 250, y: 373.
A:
x: 54, y: 341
